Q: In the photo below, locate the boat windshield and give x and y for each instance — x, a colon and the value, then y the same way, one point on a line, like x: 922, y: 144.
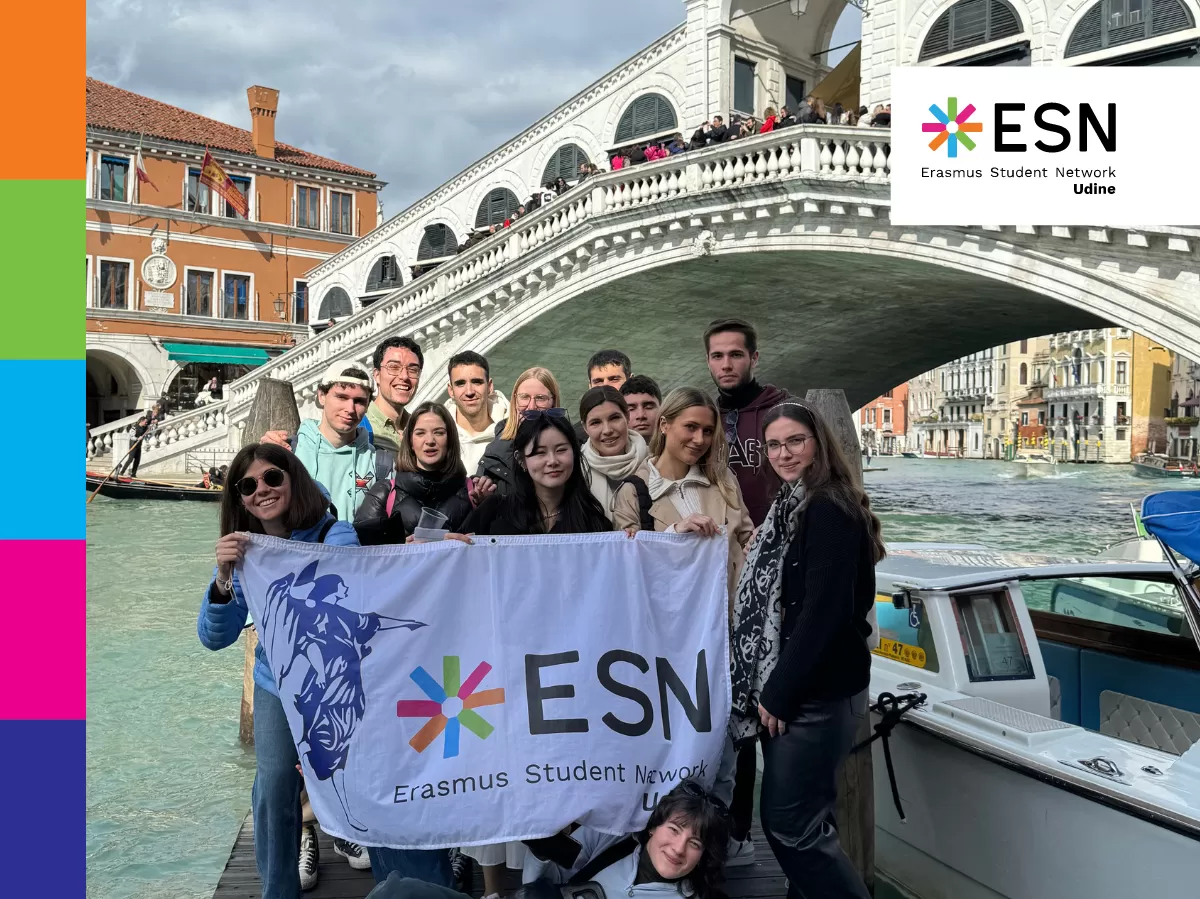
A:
x: 1138, y: 603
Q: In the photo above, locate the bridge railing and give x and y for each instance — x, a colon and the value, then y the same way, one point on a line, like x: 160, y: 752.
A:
x: 819, y: 152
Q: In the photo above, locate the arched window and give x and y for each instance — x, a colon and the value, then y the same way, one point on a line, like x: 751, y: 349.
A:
x: 436, y: 242
x: 500, y: 204
x: 970, y: 23
x: 1111, y: 23
x: 335, y: 304
x: 1024, y: 374
x: 385, y: 275
x: 564, y: 164
x: 651, y: 114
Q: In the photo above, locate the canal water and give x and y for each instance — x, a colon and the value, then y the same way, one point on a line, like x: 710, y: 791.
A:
x: 168, y: 781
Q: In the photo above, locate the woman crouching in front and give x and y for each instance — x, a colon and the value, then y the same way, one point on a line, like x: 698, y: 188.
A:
x: 267, y: 491
x: 800, y: 664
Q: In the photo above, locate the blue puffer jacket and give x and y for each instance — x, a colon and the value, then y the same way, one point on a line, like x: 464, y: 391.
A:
x: 220, y: 623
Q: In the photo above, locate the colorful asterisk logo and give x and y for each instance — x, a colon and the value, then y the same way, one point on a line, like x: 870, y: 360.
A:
x: 451, y: 703
x: 950, y: 126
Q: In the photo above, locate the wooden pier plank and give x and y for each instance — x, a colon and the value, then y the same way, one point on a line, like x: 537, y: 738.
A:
x: 337, y: 880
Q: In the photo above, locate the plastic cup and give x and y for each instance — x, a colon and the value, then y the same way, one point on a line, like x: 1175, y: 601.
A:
x: 431, y: 526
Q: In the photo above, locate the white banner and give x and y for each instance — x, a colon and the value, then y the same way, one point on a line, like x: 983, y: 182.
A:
x: 453, y: 695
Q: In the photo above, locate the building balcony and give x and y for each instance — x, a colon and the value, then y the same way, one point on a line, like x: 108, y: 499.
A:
x: 1086, y: 391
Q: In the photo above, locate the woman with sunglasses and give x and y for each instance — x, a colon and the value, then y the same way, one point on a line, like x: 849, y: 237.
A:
x: 267, y: 491
x: 536, y: 389
x: 613, y: 451
x: 549, y: 495
x: 801, y: 664
x: 691, y: 487
x: 429, y: 474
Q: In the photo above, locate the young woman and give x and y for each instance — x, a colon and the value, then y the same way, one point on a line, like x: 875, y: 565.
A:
x: 429, y: 473
x: 800, y: 659
x: 267, y: 491
x: 536, y: 389
x: 613, y: 451
x: 691, y: 487
x: 549, y: 495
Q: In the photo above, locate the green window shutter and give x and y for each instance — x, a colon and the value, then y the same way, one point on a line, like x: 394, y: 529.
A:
x: 564, y: 164
x: 497, y: 206
x: 970, y: 23
x: 646, y: 115
x: 1167, y: 16
x: 335, y: 304
x: 385, y: 275
x: 437, y: 241
x: 1087, y: 36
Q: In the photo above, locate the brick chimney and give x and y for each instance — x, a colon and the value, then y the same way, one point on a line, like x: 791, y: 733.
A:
x: 264, y: 101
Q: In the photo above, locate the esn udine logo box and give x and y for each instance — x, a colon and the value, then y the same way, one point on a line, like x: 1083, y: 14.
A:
x: 1040, y: 146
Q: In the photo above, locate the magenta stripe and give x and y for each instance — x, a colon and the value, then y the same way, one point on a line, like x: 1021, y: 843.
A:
x: 44, y: 637
x: 417, y: 708
x: 933, y: 126
x: 476, y: 678
x: 965, y: 114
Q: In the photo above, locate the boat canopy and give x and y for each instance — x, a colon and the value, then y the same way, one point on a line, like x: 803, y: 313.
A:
x: 1173, y: 516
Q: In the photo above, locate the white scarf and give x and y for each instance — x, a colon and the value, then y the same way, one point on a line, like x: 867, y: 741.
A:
x: 682, y: 493
x: 606, y: 471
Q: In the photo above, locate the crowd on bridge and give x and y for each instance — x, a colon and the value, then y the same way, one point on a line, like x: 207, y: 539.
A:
x: 812, y: 111
x: 751, y: 466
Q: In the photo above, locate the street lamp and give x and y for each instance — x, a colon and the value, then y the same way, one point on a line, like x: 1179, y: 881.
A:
x: 279, y: 307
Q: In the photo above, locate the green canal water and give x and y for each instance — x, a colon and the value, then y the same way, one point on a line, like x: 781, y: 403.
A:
x: 168, y: 781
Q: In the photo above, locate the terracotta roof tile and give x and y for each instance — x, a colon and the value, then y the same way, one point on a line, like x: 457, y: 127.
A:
x: 114, y: 109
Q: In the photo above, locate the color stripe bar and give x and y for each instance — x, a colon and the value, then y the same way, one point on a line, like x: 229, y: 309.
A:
x: 42, y: 453
x: 45, y: 595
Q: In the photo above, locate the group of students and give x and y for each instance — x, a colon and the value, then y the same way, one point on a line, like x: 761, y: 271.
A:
x: 752, y: 466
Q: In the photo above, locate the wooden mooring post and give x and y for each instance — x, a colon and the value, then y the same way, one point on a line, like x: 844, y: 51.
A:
x: 274, y: 409
x: 855, y: 812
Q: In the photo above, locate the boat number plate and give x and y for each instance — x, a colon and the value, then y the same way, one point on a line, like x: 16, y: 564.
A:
x: 901, y: 652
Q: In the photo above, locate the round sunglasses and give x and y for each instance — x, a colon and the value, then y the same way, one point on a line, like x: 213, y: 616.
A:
x: 272, y: 477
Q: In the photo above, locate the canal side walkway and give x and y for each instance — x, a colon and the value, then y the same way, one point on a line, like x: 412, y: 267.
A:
x: 761, y: 880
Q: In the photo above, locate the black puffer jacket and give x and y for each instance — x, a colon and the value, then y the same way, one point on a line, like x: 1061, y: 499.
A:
x: 497, y: 464
x: 414, y: 490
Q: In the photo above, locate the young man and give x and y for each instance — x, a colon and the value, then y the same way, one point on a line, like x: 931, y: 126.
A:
x: 336, y: 451
x: 608, y: 367
x: 398, y: 362
x: 731, y: 347
x: 474, y: 405
x: 144, y: 425
x: 644, y: 398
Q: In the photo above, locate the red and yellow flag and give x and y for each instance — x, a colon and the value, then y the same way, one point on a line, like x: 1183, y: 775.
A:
x: 214, y: 176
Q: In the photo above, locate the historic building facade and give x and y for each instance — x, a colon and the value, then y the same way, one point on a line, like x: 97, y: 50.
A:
x: 1011, y: 423
x: 180, y: 286
x: 883, y: 422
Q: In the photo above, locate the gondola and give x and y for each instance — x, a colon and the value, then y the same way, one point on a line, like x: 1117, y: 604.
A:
x: 134, y: 488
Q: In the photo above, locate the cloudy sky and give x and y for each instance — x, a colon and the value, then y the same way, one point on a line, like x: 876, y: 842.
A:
x: 414, y: 90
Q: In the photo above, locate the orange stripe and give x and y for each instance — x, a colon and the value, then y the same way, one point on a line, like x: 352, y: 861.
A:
x: 495, y: 696
x: 941, y: 138
x: 427, y: 734
x: 971, y: 126
x: 49, y: 109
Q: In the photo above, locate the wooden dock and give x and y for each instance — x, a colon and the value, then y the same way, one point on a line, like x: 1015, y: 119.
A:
x: 761, y: 880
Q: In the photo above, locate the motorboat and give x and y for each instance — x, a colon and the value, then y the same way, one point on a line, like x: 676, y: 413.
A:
x: 911, y: 454
x: 1156, y: 465
x: 1057, y: 750
x: 135, y: 488
x: 1031, y: 465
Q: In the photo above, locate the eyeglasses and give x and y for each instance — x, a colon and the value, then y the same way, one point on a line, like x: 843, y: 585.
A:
x: 540, y: 400
x: 693, y: 789
x: 795, y: 445
x: 731, y: 420
x: 272, y: 477
x: 533, y: 414
x: 395, y: 368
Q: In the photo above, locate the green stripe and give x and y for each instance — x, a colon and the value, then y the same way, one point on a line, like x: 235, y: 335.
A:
x: 42, y: 236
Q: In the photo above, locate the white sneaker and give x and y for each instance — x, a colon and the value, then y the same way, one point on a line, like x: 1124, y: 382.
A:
x: 353, y: 853
x: 741, y: 852
x: 310, y: 857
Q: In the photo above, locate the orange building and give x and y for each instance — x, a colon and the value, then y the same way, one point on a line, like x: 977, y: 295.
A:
x: 883, y: 422
x: 181, y: 288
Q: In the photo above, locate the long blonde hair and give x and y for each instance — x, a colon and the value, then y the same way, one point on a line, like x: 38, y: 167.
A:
x: 547, y: 379
x: 714, y: 463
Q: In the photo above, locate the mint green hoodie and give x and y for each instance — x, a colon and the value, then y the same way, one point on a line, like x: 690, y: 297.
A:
x: 346, y: 472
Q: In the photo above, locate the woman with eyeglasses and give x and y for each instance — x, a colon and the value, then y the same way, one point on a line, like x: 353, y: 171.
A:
x: 801, y: 664
x: 613, y: 451
x: 429, y: 474
x: 267, y: 491
x: 549, y: 495
x: 535, y: 389
x: 691, y: 487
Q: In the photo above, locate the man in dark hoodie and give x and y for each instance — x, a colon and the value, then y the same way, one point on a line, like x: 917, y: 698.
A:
x: 731, y: 346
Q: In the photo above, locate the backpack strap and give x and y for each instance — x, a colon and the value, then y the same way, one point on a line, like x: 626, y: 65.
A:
x: 325, y: 530
x: 644, y: 501
x: 391, y: 497
x: 610, y: 856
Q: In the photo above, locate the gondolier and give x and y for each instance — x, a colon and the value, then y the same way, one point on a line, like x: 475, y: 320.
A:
x: 140, y: 428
